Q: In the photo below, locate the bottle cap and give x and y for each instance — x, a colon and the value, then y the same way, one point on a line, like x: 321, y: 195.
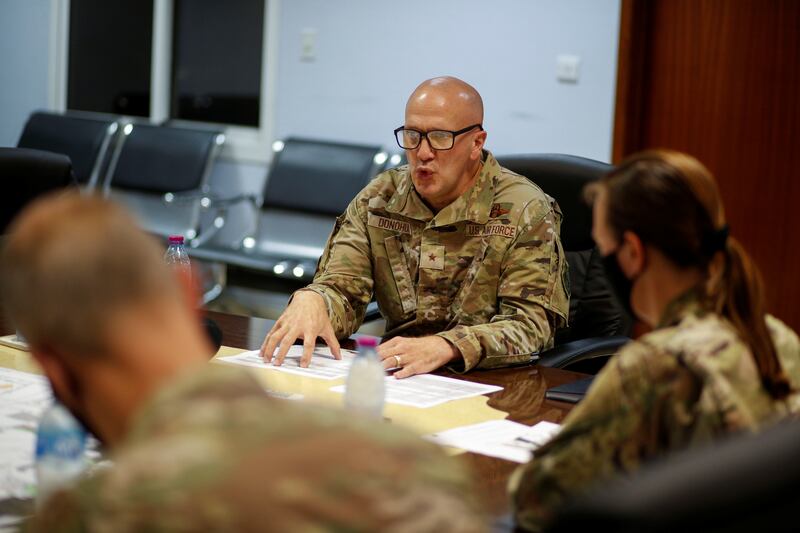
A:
x: 367, y: 342
x: 176, y: 239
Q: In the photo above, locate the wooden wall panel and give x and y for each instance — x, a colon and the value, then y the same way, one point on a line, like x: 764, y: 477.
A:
x: 720, y: 79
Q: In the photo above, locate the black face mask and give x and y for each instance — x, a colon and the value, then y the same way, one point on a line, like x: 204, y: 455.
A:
x: 620, y: 285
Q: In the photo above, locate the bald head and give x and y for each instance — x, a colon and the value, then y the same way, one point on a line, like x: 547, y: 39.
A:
x: 69, y: 262
x: 453, y: 111
x: 450, y: 96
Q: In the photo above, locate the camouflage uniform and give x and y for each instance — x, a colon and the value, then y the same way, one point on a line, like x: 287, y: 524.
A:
x: 487, y: 272
x: 685, y: 383
x: 213, y: 453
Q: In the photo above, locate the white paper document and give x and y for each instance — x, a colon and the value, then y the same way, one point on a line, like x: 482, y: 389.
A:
x: 504, y: 439
x: 427, y: 390
x: 323, y: 365
x: 23, y: 398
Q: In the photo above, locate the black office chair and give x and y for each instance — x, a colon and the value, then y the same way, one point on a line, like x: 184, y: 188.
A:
x: 309, y: 183
x: 27, y: 174
x: 161, y: 173
x: 597, y: 326
x: 741, y: 484
x: 85, y: 139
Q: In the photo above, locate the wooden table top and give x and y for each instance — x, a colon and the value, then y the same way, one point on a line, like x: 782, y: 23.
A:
x: 522, y: 398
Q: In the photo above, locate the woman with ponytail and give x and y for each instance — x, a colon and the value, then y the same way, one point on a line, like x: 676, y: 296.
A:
x: 715, y: 361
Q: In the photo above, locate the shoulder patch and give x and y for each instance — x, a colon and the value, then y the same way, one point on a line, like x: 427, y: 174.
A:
x: 376, y: 202
x: 498, y: 210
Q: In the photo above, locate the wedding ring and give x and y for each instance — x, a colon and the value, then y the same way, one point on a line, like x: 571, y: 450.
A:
x: 398, y: 364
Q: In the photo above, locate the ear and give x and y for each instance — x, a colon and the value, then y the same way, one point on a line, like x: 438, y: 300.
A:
x: 54, y: 367
x: 632, y: 255
x: 477, y: 146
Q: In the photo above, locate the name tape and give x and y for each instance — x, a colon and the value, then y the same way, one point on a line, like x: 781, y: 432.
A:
x: 387, y: 223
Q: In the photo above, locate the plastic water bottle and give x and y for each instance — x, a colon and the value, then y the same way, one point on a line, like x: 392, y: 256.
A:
x: 60, y: 447
x: 176, y: 255
x: 365, y: 391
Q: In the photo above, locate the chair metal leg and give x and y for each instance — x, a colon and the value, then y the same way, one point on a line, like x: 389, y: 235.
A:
x: 217, y: 274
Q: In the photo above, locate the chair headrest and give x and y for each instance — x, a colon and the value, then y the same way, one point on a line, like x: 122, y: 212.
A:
x: 80, y: 138
x: 742, y: 483
x: 164, y: 159
x: 26, y: 174
x: 318, y: 176
x: 563, y: 177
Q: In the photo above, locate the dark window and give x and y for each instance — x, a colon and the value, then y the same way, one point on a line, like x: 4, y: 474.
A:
x: 216, y: 60
x: 109, y: 56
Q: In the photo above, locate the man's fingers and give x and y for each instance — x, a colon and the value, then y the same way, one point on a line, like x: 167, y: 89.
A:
x: 286, y: 343
x: 406, y: 371
x: 390, y: 348
x: 308, y: 350
x: 271, y: 341
x: 388, y: 355
x: 332, y: 342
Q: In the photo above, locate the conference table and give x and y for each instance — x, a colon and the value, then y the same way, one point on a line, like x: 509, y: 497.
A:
x: 522, y: 398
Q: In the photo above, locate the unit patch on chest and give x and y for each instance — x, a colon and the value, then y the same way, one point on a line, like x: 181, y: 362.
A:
x: 498, y: 210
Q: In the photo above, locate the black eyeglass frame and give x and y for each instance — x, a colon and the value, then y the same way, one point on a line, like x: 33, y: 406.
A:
x: 424, y: 135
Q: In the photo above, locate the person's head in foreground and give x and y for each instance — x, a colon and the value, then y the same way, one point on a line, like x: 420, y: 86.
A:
x: 99, y: 307
x: 195, y: 446
x: 715, y: 363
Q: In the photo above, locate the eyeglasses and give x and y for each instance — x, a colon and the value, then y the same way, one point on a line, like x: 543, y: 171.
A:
x: 410, y: 139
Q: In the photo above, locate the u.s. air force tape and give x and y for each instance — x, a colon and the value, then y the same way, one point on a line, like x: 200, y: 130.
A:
x: 491, y: 230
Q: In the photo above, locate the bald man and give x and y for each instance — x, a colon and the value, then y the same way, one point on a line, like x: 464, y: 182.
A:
x: 462, y: 255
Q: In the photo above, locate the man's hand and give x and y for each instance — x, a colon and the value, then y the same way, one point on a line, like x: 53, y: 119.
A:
x: 416, y: 355
x: 305, y: 318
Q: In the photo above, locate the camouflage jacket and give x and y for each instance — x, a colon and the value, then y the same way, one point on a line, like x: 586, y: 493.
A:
x: 487, y: 272
x: 212, y: 452
x: 689, y: 381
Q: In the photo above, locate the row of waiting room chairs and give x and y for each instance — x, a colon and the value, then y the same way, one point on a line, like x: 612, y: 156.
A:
x: 134, y: 163
x: 162, y: 174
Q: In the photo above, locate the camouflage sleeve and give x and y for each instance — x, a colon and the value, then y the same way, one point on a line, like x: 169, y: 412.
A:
x: 533, y: 298
x: 616, y: 426
x: 787, y: 346
x: 324, y: 474
x: 63, y: 512
x: 344, y: 272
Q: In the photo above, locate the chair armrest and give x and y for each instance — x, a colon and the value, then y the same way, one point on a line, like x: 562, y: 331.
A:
x: 571, y: 352
x: 209, y: 201
x: 218, y: 202
x: 219, y: 205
